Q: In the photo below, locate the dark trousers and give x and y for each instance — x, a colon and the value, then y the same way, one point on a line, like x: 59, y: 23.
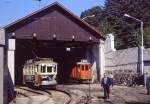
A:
x: 148, y: 89
x: 106, y: 91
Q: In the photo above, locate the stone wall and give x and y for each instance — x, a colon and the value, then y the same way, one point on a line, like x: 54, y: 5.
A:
x: 125, y: 59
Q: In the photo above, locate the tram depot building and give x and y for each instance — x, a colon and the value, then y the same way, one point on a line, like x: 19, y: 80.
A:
x: 54, y: 32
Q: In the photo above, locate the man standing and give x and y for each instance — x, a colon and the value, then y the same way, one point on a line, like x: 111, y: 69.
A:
x: 148, y: 85
x: 111, y: 78
x: 105, y: 83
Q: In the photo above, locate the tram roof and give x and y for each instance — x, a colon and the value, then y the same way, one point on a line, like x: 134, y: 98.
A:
x: 40, y: 61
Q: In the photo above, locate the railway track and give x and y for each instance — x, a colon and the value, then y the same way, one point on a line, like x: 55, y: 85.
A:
x: 77, y: 96
x: 65, y: 95
x: 84, y: 96
x: 40, y: 92
x: 33, y: 96
x: 30, y: 96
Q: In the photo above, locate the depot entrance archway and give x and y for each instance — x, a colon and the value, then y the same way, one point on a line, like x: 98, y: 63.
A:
x: 66, y: 54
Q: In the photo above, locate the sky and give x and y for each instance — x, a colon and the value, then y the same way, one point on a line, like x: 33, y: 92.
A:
x: 11, y: 10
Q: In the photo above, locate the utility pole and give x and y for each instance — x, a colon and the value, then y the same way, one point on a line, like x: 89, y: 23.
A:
x: 142, y: 48
x: 39, y: 3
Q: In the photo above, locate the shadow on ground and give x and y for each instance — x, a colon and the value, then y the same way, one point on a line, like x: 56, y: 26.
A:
x: 138, y: 102
x: 100, y: 97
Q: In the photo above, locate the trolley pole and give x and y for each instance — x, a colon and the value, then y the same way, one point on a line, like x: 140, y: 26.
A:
x: 89, y: 96
x: 39, y: 3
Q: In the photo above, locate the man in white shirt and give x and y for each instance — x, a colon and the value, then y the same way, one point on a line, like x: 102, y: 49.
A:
x: 111, y: 78
x: 105, y: 83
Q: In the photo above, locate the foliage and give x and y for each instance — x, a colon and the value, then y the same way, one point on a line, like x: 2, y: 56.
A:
x: 105, y: 28
x: 146, y: 37
x: 95, y: 21
x: 126, y: 29
x: 98, y: 21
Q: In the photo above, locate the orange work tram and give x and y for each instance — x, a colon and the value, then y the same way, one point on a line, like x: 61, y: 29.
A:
x: 81, y: 71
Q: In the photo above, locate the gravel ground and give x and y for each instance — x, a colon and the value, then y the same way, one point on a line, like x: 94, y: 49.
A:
x: 118, y: 95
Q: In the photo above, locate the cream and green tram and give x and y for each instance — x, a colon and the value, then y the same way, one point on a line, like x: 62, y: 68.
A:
x: 40, y: 72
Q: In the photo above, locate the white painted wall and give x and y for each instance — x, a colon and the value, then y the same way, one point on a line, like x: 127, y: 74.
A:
x: 109, y: 43
x: 95, y: 55
x: 11, y: 58
x: 102, y: 58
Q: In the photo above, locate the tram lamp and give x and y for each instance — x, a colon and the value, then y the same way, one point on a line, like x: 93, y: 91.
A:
x: 73, y: 37
x: 90, y: 38
x: 34, y: 35
x: 54, y: 36
x: 13, y: 35
x: 68, y: 49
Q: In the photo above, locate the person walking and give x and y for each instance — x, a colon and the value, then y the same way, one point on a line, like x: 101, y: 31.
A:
x: 105, y: 83
x: 148, y: 85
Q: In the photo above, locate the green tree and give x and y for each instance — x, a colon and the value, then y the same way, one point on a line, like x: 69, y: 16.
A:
x: 105, y: 28
x: 96, y: 20
x: 126, y: 28
x: 110, y: 18
x: 146, y: 37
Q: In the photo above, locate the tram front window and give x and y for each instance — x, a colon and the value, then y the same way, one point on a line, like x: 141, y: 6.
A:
x: 49, y: 69
x: 43, y: 69
x: 82, y: 67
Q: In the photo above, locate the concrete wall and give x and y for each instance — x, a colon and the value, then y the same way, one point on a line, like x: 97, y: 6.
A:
x: 2, y: 46
x: 125, y: 59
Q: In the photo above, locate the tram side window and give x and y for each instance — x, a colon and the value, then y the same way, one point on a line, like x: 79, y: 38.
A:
x: 82, y: 67
x: 86, y: 67
x: 36, y: 68
x: 49, y: 69
x: 78, y: 68
x: 25, y: 70
x: 43, y: 69
x: 54, y: 68
x: 30, y: 70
